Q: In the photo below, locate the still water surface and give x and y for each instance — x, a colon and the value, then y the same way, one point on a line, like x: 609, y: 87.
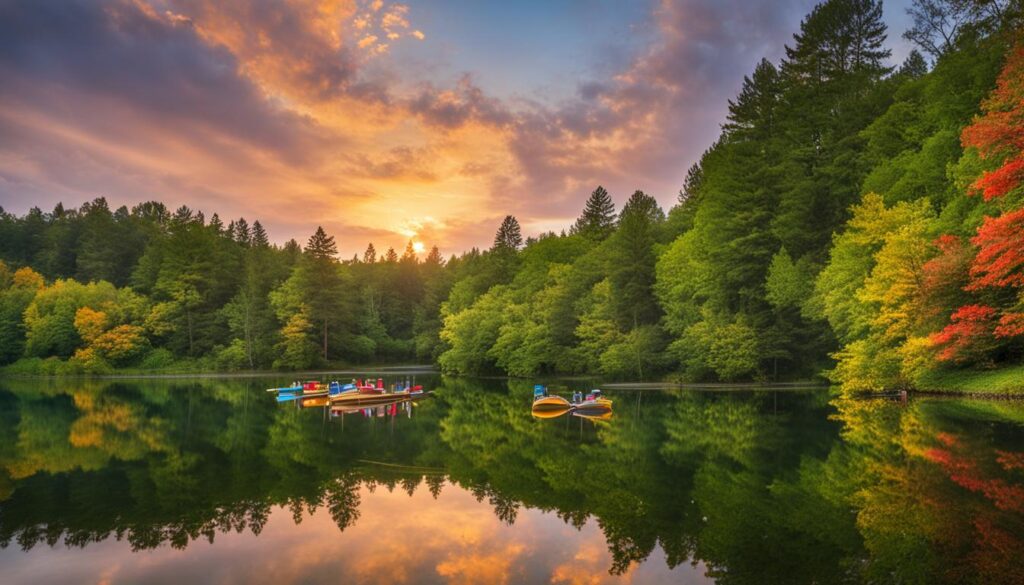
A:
x: 212, y: 481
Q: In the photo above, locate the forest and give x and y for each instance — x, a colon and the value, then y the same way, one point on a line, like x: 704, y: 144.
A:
x: 854, y: 220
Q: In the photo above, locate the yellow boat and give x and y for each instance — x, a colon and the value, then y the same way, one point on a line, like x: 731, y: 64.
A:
x: 549, y: 403
x: 550, y: 406
x: 552, y: 413
x: 313, y: 401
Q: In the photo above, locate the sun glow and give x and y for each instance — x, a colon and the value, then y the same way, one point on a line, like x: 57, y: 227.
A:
x: 417, y: 247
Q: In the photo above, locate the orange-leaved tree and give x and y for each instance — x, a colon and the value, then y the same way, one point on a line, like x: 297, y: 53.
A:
x: 997, y: 268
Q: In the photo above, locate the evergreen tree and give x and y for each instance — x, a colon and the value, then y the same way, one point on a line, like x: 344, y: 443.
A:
x: 259, y: 236
x: 321, y: 284
x: 370, y: 255
x: 752, y: 115
x: 508, y: 236
x: 598, y: 219
x: 409, y: 256
x: 434, y: 257
x: 631, y: 262
x: 241, y: 234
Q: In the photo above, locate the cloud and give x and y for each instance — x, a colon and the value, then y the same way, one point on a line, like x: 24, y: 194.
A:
x: 642, y: 128
x: 286, y: 111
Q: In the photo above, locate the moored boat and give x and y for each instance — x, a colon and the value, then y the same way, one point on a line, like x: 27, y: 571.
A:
x: 548, y: 406
x: 359, y: 399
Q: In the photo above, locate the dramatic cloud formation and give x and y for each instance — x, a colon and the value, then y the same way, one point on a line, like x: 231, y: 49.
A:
x: 328, y: 112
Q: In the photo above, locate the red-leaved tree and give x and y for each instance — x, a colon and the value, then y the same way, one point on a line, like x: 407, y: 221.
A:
x: 969, y: 337
x: 944, y: 277
x: 1000, y: 258
x: 977, y: 330
x: 999, y: 133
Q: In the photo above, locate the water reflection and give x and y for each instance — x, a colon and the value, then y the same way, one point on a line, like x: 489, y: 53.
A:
x: 213, y: 480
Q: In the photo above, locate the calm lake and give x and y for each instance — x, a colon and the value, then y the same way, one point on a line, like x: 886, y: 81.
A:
x: 213, y: 481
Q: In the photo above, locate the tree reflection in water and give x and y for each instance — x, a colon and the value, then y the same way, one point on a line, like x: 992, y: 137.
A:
x: 757, y: 487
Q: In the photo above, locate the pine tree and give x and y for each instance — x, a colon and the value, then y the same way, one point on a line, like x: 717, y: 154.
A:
x: 914, y: 66
x: 321, y: 283
x: 691, y: 184
x: 409, y: 256
x: 370, y: 255
x: 259, y: 236
x: 321, y: 246
x: 598, y: 219
x: 434, y: 257
x: 242, y: 235
x: 391, y: 256
x: 631, y: 262
x: 509, y: 236
x: 752, y: 115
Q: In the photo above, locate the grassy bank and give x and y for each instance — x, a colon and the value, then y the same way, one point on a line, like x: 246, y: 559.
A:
x: 1009, y: 380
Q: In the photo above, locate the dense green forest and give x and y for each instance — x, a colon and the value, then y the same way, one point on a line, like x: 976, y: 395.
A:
x: 853, y: 217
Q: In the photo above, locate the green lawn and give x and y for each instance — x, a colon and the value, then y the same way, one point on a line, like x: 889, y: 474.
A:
x: 1007, y: 380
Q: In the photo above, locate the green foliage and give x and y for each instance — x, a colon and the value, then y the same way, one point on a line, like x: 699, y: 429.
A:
x: 631, y: 260
x: 805, y: 237
x: 296, y: 350
x: 787, y: 286
x: 729, y: 350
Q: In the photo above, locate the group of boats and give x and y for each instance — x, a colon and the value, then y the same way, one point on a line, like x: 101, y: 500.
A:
x: 361, y: 395
x: 353, y: 396
x: 591, y: 405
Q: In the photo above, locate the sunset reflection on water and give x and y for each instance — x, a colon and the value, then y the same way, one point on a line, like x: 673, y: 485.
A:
x: 398, y: 538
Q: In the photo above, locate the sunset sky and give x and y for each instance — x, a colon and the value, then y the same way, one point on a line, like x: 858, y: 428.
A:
x: 382, y: 121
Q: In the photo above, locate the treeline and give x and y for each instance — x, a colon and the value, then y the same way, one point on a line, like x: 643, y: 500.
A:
x: 851, y: 217
x: 96, y: 289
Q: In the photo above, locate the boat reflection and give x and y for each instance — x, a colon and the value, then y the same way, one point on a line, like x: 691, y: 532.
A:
x: 603, y: 416
x: 592, y: 405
